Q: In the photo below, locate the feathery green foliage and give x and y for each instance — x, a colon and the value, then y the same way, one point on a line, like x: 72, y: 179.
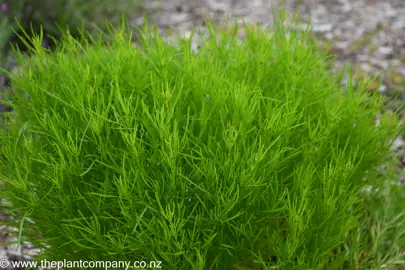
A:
x: 241, y: 155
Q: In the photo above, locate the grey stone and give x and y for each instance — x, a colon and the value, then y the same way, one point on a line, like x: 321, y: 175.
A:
x: 386, y: 51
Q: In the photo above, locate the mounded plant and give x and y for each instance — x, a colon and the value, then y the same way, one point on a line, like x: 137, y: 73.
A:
x: 241, y: 155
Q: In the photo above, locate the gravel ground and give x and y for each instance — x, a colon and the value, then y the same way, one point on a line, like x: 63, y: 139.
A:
x: 369, y: 35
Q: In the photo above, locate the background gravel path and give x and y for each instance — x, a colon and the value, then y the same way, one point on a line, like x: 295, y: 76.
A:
x: 369, y: 35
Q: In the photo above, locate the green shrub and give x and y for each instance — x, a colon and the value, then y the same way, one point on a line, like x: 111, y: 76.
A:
x: 240, y: 155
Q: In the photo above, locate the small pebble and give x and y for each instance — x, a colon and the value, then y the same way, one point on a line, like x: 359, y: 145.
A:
x: 383, y: 88
x: 387, y: 51
x: 323, y: 28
